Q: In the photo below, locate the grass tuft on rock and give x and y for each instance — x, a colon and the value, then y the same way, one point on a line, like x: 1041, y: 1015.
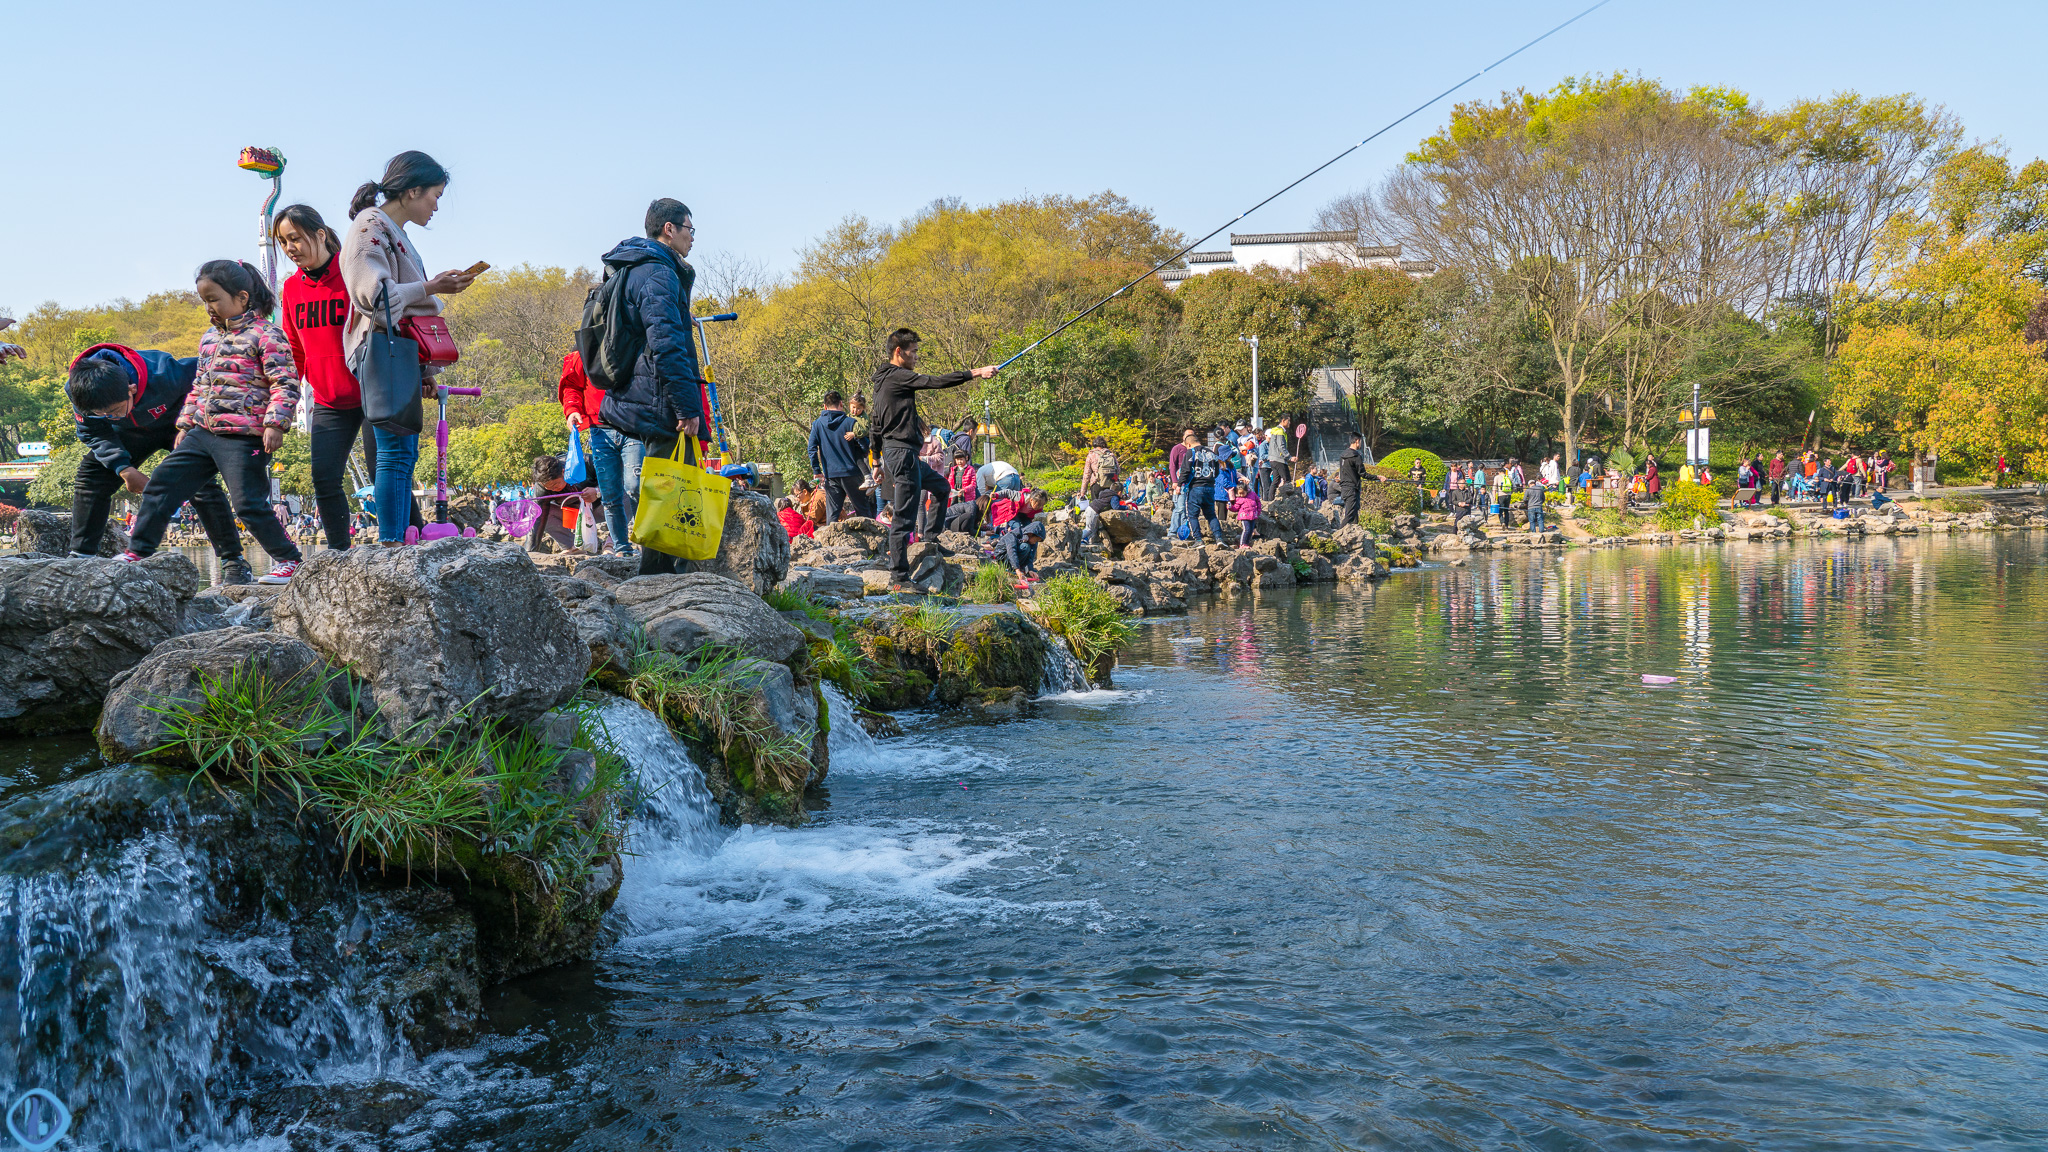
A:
x: 703, y: 696
x: 394, y: 801
x: 991, y: 585
x: 1084, y: 614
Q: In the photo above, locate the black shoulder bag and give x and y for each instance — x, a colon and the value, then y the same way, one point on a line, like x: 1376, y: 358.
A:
x: 391, y: 379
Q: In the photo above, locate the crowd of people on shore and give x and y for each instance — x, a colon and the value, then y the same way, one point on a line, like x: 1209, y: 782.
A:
x: 222, y: 415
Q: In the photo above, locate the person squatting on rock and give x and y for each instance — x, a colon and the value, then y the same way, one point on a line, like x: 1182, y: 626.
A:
x: 125, y: 406
x: 839, y: 457
x: 245, y: 390
x: 379, y: 266
x: 665, y: 400
x: 794, y: 522
x: 555, y: 496
x: 1350, y: 480
x: 614, y: 456
x: 896, y: 424
x: 963, y: 514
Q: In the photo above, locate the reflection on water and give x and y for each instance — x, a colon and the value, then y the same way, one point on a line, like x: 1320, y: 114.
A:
x: 1419, y: 865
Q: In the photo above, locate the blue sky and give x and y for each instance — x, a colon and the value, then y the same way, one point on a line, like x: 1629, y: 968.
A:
x: 773, y: 121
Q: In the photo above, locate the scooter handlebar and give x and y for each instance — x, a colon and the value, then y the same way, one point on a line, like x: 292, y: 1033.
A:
x: 717, y: 318
x: 463, y: 391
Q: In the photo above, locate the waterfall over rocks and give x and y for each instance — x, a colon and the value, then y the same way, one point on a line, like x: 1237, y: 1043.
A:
x: 168, y: 955
x: 1062, y: 672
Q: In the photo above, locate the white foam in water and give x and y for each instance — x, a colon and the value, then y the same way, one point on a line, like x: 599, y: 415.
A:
x: 676, y: 809
x: 778, y: 883
x: 856, y: 753
x: 1062, y: 672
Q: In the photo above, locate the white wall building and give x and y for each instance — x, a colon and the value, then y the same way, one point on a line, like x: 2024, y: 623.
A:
x: 1294, y: 252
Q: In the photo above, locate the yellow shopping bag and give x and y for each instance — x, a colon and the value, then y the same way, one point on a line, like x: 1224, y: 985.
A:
x: 682, y: 507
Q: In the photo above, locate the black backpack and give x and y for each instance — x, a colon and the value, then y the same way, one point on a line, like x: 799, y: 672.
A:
x: 610, y: 339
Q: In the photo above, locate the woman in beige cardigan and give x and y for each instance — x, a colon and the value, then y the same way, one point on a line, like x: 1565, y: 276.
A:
x: 379, y: 265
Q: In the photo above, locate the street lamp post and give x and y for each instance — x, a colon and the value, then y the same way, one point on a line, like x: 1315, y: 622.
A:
x: 1254, y: 342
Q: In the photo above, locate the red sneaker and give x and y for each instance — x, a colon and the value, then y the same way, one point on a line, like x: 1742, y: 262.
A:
x: 282, y: 574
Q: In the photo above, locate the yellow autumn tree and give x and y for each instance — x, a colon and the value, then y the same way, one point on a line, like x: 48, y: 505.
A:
x: 1936, y: 358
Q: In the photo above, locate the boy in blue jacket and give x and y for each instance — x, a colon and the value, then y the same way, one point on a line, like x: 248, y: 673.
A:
x: 124, y: 406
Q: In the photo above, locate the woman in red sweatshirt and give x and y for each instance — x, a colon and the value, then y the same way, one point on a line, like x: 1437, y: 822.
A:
x: 315, y: 308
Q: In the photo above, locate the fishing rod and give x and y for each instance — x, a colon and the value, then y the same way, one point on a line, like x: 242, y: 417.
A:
x: 1152, y: 271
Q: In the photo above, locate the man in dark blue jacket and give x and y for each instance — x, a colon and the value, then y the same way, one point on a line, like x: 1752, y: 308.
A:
x: 124, y: 406
x: 839, y: 460
x: 665, y: 398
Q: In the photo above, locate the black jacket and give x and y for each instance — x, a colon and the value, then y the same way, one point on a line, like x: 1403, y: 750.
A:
x: 895, y: 416
x: 158, y: 384
x: 832, y: 454
x: 1350, y: 468
x: 667, y: 385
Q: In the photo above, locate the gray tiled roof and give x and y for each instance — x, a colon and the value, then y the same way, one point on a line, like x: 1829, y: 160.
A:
x: 1237, y: 238
x: 1208, y: 257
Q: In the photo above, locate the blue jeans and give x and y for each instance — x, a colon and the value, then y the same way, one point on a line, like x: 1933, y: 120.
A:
x: 617, y: 456
x: 396, y: 456
x: 1202, y: 502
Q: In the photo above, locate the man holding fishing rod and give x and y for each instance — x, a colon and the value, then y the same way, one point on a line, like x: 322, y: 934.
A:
x: 901, y: 432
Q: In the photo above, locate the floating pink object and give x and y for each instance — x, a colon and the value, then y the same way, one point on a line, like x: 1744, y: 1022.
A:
x: 1649, y: 679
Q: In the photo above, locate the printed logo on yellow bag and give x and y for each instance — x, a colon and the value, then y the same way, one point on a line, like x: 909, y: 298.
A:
x: 682, y: 507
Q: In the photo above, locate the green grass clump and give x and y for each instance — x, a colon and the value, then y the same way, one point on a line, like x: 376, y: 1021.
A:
x: 400, y: 800
x: 842, y: 661
x: 1082, y: 612
x: 1611, y: 522
x: 1960, y: 505
x: 991, y: 585
x: 704, y: 695
x: 1303, y: 570
x: 929, y: 624
x: 1376, y: 522
x: 791, y: 600
x: 1683, y: 502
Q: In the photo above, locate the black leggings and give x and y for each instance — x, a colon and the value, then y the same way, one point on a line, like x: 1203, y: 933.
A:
x: 242, y: 465
x: 92, y: 497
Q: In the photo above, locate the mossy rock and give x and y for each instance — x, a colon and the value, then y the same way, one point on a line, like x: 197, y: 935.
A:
x: 998, y: 653
x: 526, y: 921
x: 897, y: 689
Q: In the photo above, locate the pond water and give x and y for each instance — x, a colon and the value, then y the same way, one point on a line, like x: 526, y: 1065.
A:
x: 1419, y: 865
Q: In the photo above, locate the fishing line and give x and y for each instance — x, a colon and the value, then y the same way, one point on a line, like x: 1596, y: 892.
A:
x: 1312, y: 172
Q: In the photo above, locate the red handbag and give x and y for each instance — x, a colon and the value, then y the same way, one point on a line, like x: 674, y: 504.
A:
x: 437, y: 343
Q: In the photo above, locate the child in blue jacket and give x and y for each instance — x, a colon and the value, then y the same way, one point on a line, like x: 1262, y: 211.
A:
x: 124, y: 407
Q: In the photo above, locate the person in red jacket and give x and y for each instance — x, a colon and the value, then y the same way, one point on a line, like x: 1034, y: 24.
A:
x: 794, y: 522
x: 314, y: 308
x: 614, y: 456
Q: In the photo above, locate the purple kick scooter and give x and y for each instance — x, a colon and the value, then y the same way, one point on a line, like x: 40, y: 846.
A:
x: 441, y: 529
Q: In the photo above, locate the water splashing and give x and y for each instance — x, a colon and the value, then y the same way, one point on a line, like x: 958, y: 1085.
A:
x: 1062, y: 672
x: 676, y: 809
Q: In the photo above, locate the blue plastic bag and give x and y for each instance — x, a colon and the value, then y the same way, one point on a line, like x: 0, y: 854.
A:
x: 576, y: 470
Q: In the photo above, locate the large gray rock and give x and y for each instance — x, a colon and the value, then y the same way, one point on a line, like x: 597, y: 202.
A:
x: 854, y: 532
x: 175, y: 571
x: 616, y: 567
x: 460, y: 628
x: 604, y: 626
x: 755, y: 547
x: 182, y: 669
x: 824, y: 584
x: 67, y: 628
x: 50, y: 533
x: 683, y: 612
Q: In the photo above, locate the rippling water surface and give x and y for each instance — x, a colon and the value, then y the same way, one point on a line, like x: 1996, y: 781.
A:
x: 1423, y: 865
